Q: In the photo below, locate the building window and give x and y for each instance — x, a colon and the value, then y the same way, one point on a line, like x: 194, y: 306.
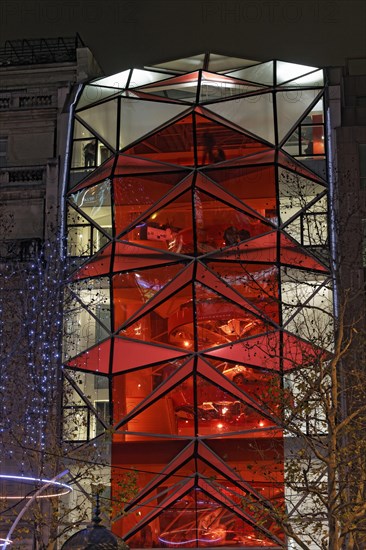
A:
x: 3, y: 151
x: 362, y: 163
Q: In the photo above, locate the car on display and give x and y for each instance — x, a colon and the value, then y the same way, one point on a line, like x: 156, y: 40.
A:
x: 238, y: 374
x: 230, y: 411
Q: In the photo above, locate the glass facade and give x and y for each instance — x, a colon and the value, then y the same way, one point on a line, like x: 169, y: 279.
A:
x: 197, y: 232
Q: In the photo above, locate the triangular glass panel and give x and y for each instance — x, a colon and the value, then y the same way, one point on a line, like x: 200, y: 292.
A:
x: 209, y: 114
x: 297, y: 351
x: 147, y: 385
x: 224, y: 63
x: 216, y: 86
x: 261, y: 465
x: 260, y: 390
x: 133, y: 256
x: 210, y: 279
x: 99, y: 264
x: 140, y: 94
x: 261, y: 73
x: 160, y: 511
x: 137, y: 354
x: 95, y: 360
x: 75, y: 316
x: 182, y: 88
x: 103, y: 119
x: 310, y: 227
x: 322, y: 253
x: 259, y: 249
x: 134, y: 195
x: 293, y: 255
x: 77, y: 175
x: 98, y: 175
x: 184, y: 64
x: 217, y: 142
x: 127, y: 164
x: 118, y: 80
x: 173, y: 144
x: 81, y: 132
x: 143, y: 77
x: 286, y: 161
x: 257, y: 283
x: 145, y: 416
x: 83, y: 238
x: 291, y: 107
x: 93, y: 94
x: 307, y: 306
x: 205, y: 512
x: 244, y: 523
x: 95, y: 202
x: 318, y: 165
x: 307, y: 141
x: 292, y: 145
x: 264, y: 249
x: 178, y: 461
x: 139, y: 118
x: 84, y: 418
x: 164, y: 302
x: 162, y: 325
x: 258, y: 351
x: 267, y: 156
x: 254, y: 114
x: 153, y: 516
x: 314, y: 79
x: 219, y: 225
x: 218, y: 413
x: 94, y: 295
x: 254, y: 186
x: 131, y: 291
x: 169, y: 226
x: 290, y: 71
x: 215, y: 321
x: 126, y: 256
x: 297, y: 287
x: 296, y: 192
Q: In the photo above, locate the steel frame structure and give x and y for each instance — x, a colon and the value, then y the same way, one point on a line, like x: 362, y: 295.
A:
x: 197, y: 204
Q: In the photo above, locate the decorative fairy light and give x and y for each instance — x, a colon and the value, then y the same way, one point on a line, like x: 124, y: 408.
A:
x: 30, y: 357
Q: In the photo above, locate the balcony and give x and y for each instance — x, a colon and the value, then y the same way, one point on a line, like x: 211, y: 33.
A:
x: 22, y: 100
x: 22, y: 175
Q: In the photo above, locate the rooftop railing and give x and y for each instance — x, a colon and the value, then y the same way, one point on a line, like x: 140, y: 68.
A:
x: 40, y: 50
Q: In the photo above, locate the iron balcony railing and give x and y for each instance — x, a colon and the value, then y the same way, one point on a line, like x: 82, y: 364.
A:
x: 22, y: 100
x: 40, y: 50
x: 22, y: 175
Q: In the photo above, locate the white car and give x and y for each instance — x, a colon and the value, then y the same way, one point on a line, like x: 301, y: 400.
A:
x: 239, y: 374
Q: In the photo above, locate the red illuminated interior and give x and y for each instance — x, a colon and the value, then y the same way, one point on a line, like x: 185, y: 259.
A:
x: 196, y: 350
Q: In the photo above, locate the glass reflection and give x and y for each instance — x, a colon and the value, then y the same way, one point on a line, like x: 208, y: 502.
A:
x: 82, y: 423
x: 86, y: 317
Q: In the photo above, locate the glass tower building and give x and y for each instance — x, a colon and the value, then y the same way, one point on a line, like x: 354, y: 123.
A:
x: 197, y: 232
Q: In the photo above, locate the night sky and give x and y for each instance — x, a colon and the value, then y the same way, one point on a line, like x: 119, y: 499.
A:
x: 124, y: 33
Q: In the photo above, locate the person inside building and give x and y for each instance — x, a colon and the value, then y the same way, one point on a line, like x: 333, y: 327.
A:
x: 218, y: 154
x: 309, y: 148
x: 89, y: 153
x: 211, y: 151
